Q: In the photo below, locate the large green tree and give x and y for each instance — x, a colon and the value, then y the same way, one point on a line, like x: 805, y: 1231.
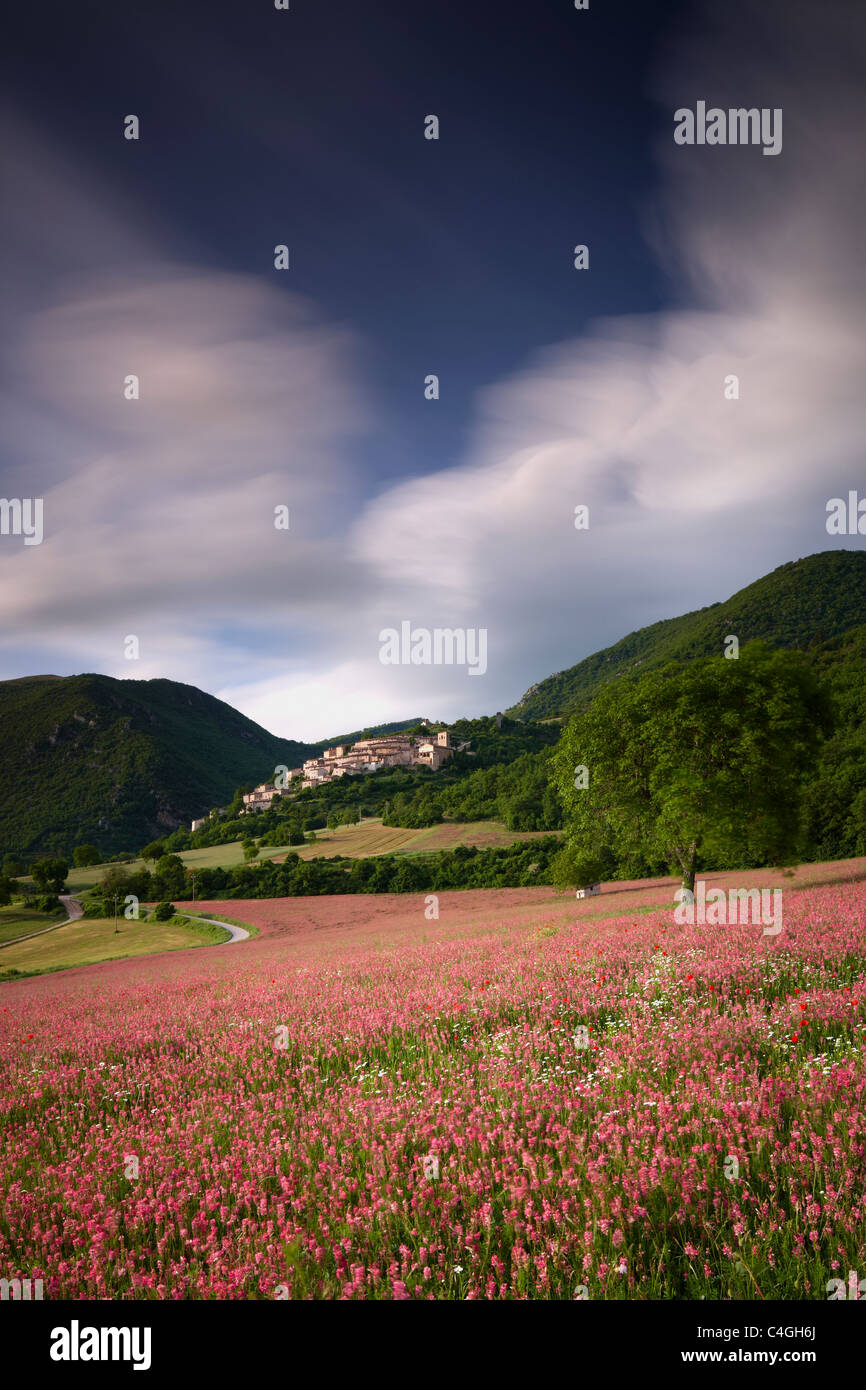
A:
x: 703, y: 763
x: 115, y: 880
x: 170, y: 876
x: 50, y: 873
x: 154, y: 851
x: 83, y: 856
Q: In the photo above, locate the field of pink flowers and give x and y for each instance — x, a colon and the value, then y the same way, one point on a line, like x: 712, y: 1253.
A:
x: 709, y: 1142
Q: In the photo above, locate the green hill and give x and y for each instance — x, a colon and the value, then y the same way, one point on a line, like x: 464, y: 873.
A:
x: 90, y: 759
x: 805, y: 601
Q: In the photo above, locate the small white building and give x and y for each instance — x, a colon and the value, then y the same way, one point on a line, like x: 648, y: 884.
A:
x: 589, y: 891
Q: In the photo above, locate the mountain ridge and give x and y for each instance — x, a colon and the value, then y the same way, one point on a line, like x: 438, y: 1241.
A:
x: 111, y: 761
x: 89, y: 758
x: 813, y: 611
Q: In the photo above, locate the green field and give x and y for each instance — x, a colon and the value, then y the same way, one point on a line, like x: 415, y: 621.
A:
x: 17, y: 921
x: 91, y: 940
x: 226, y: 856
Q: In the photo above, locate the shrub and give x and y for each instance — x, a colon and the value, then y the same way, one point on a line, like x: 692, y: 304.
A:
x: 163, y: 912
x: 94, y: 906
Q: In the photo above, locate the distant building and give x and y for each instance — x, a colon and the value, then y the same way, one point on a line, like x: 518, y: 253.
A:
x: 589, y: 891
x: 433, y: 755
x: 260, y: 798
x: 370, y: 754
x: 197, y: 824
x: 354, y: 760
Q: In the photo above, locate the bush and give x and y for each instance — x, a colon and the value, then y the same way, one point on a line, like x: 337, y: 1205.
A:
x: 94, y: 907
x: 163, y: 912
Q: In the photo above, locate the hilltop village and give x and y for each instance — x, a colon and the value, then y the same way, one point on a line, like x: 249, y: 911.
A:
x: 353, y: 760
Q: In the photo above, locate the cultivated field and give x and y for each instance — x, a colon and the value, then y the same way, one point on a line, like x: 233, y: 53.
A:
x: 367, y: 1103
x: 357, y: 841
x: 372, y: 837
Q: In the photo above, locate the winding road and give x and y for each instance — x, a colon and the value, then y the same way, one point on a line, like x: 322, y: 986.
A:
x: 73, y: 907
x: 237, y: 933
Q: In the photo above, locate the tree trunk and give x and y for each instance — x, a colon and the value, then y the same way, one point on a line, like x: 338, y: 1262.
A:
x: 688, y: 863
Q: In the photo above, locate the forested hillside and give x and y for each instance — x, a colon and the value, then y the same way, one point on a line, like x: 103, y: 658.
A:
x: 115, y: 763
x: 806, y: 601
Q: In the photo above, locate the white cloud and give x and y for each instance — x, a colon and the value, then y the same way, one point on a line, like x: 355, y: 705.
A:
x: 158, y: 512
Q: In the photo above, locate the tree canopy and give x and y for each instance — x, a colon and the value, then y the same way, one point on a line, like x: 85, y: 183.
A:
x: 85, y: 855
x: 701, y: 764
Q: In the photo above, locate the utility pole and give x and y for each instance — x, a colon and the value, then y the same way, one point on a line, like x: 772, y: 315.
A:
x: 193, y: 890
x: 115, y: 914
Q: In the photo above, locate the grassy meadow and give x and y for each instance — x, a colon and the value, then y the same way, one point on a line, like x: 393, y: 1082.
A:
x: 18, y: 921
x: 90, y: 941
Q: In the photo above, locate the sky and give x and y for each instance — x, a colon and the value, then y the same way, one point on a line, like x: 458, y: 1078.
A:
x: 306, y: 388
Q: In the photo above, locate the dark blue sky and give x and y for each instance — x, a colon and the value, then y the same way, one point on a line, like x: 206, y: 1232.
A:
x: 306, y: 127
